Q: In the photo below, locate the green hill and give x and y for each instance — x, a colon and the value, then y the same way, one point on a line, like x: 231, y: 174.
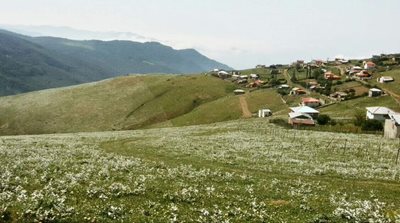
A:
x: 129, y: 102
x: 35, y: 63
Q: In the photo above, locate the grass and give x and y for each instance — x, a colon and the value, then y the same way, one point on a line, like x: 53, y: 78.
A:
x: 122, y: 103
x: 238, y: 171
x: 346, y: 109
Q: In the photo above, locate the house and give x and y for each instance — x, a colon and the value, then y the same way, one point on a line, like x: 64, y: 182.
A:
x: 310, y: 102
x: 392, y: 126
x: 331, y: 76
x: 378, y: 113
x: 283, y: 86
x: 256, y: 83
x: 385, y: 79
x: 239, y: 92
x: 369, y: 65
x: 305, y: 110
x: 243, y: 77
x: 261, y: 66
x: 223, y: 74
x: 374, y: 92
x: 298, y: 119
x: 262, y: 113
x: 297, y: 91
x: 363, y: 75
x: 354, y: 70
x: 339, y: 95
x: 254, y: 76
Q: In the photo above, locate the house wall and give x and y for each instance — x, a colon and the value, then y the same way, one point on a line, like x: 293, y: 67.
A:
x: 376, y: 117
x: 392, y: 130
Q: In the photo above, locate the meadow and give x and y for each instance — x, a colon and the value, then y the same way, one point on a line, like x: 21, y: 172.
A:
x: 236, y: 171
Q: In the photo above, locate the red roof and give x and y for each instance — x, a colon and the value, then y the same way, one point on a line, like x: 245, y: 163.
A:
x: 310, y: 100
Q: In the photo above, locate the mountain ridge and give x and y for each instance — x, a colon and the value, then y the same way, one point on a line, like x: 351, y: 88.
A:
x: 35, y: 63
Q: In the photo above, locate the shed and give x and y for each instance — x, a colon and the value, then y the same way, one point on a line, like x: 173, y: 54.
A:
x: 262, y: 113
x: 385, y: 79
x: 375, y: 92
x: 239, y: 92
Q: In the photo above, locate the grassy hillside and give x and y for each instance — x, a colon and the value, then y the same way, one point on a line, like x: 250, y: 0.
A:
x: 238, y: 171
x: 347, y: 109
x: 129, y: 102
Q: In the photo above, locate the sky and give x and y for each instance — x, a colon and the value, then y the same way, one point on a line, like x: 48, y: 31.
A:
x: 240, y: 33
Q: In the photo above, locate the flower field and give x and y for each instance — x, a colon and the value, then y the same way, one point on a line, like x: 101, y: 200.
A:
x: 238, y: 171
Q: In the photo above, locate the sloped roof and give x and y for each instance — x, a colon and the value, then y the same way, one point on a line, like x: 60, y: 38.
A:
x: 304, y: 109
x: 298, y: 115
x: 375, y: 89
x: 379, y: 110
x: 310, y: 100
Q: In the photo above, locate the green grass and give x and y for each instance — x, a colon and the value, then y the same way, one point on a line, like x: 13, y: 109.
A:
x: 347, y: 109
x: 392, y: 86
x: 122, y: 103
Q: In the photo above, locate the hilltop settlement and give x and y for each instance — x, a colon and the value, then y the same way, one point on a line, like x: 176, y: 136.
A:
x: 310, y: 88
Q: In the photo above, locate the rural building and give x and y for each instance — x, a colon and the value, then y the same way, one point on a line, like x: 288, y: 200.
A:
x: 331, y: 76
x: 239, y: 92
x: 283, y: 86
x: 262, y: 113
x: 375, y: 92
x: 363, y: 75
x: 339, y: 95
x: 310, y: 102
x: 369, y: 65
x: 392, y: 126
x: 223, y: 74
x: 385, y: 79
x: 254, y: 76
x: 305, y: 110
x: 355, y: 69
x: 297, y: 91
x: 378, y: 113
x: 298, y: 119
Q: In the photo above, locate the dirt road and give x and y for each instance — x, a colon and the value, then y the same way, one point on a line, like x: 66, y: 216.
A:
x: 245, y: 108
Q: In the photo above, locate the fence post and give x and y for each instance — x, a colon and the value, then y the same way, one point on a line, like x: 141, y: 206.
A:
x: 397, y: 158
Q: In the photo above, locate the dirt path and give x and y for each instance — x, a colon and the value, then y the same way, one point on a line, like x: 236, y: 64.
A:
x: 245, y: 108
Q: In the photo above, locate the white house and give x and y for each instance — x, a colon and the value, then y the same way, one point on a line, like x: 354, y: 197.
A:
x: 385, y: 79
x: 305, y: 110
x: 262, y: 113
x: 239, y: 91
x: 375, y: 92
x: 378, y: 113
x: 297, y: 119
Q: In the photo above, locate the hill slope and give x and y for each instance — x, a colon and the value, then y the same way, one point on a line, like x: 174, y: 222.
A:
x: 129, y: 102
x: 34, y: 63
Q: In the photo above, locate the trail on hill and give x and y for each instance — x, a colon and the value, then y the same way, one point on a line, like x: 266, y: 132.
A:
x: 245, y: 108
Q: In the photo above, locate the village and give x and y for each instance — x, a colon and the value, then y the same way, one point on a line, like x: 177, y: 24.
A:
x: 306, y: 87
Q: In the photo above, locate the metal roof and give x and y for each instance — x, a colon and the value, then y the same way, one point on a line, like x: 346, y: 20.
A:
x: 304, y: 109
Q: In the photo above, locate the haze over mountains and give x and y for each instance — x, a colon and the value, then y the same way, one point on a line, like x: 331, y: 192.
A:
x: 34, y: 63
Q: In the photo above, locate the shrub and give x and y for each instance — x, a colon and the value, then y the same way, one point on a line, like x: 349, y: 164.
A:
x: 372, y: 125
x: 323, y: 119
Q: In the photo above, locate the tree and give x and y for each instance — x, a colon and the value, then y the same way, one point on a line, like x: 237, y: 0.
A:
x: 359, y: 118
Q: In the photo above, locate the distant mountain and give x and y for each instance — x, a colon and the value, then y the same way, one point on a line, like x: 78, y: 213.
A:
x: 34, y: 63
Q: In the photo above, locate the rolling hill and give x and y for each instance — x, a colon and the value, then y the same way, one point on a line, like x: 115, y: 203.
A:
x: 128, y: 102
x: 35, y: 63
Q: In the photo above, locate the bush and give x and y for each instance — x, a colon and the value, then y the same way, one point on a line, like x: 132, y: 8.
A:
x: 323, y: 119
x: 372, y: 125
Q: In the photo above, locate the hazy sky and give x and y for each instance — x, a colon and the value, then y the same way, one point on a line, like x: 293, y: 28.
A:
x: 240, y: 33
